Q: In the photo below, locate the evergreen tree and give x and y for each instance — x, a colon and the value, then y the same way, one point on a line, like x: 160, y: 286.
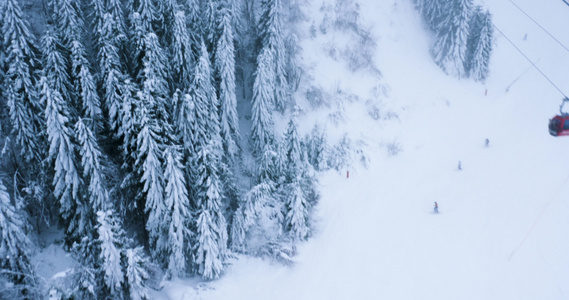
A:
x: 151, y: 174
x: 272, y: 40
x: 20, y: 81
x: 296, y: 212
x: 181, y: 55
x: 209, y: 23
x: 110, y: 242
x: 211, y: 240
x: 434, y: 11
x: 449, y: 50
x: 296, y: 220
x: 136, y: 274
x: 249, y: 210
x: 205, y: 99
x: 204, y: 123
x: 71, y: 28
x: 262, y: 121
x: 225, y: 67
x: 66, y: 179
x: 153, y: 77
x: 55, y: 65
x: 177, y: 215
x: 292, y: 151
x: 480, y: 45
x: 91, y: 158
x: 317, y: 149
x: 194, y: 13
x: 14, y: 243
x: 111, y: 69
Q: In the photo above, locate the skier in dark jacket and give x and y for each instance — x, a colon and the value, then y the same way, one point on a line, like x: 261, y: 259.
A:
x: 436, y: 208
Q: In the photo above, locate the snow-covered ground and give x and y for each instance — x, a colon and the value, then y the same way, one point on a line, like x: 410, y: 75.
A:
x: 503, y: 230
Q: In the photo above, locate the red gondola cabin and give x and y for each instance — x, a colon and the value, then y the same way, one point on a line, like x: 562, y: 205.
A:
x: 559, y: 125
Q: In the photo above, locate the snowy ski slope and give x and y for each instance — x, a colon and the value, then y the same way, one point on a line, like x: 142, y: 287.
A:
x: 503, y: 230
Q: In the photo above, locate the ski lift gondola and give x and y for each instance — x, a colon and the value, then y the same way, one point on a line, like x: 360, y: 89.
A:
x: 559, y: 125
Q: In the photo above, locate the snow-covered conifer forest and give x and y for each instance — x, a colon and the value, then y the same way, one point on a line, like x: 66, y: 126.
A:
x: 167, y: 149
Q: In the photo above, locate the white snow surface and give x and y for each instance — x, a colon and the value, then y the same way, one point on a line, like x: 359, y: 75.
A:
x: 503, y: 227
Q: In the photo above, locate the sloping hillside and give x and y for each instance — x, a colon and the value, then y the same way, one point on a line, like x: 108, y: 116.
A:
x: 503, y: 228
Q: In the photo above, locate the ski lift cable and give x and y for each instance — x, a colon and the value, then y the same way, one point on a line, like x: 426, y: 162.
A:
x: 542, y: 28
x: 538, y: 218
x: 529, y: 60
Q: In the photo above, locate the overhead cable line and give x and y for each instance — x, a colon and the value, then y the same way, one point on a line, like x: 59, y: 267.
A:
x: 529, y: 60
x: 545, y: 30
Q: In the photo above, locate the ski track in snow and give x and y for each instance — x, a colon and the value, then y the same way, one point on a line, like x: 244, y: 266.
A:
x: 503, y: 228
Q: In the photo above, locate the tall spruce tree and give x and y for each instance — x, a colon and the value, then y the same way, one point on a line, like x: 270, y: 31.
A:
x: 151, y: 174
x: 211, y: 239
x: 480, y: 45
x: 272, y: 39
x: 15, y: 245
x: 209, y: 23
x: 66, y: 179
x: 225, y: 67
x: 434, y: 11
x: 262, y: 108
x: 91, y: 157
x: 111, y: 243
x: 111, y: 71
x: 136, y: 274
x: 177, y: 216
x: 20, y: 81
x: 296, y: 212
x: 181, y: 56
x: 449, y: 50
x: 71, y: 28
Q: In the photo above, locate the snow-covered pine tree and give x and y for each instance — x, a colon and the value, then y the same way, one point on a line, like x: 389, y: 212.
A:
x: 317, y: 149
x: 184, y: 122
x: 250, y: 207
x: 480, y: 45
x: 225, y: 68
x: 71, y: 28
x: 296, y: 213
x: 152, y: 138
x: 153, y: 77
x: 136, y: 274
x: 149, y: 168
x: 112, y: 75
x: 211, y: 235
x: 66, y: 179
x: 209, y: 24
x: 14, y: 243
x: 434, y: 11
x: 148, y: 14
x: 204, y: 122
x: 263, y: 103
x: 92, y: 169
x: 449, y: 51
x: 272, y: 38
x: 110, y: 243
x: 115, y: 9
x: 177, y: 216
x: 55, y: 64
x: 181, y: 56
x: 20, y: 81
x: 129, y: 120
x: 292, y: 152
x: 296, y: 217
x: 194, y: 14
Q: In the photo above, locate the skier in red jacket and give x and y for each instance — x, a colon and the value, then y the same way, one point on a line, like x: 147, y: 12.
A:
x: 436, y: 208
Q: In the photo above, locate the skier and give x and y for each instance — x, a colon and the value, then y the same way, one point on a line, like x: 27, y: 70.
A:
x: 436, y: 208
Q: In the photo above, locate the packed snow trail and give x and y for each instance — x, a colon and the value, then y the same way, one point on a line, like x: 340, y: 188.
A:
x: 502, y: 231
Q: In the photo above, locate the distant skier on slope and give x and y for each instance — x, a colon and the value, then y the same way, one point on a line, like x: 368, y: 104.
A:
x: 436, y: 208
